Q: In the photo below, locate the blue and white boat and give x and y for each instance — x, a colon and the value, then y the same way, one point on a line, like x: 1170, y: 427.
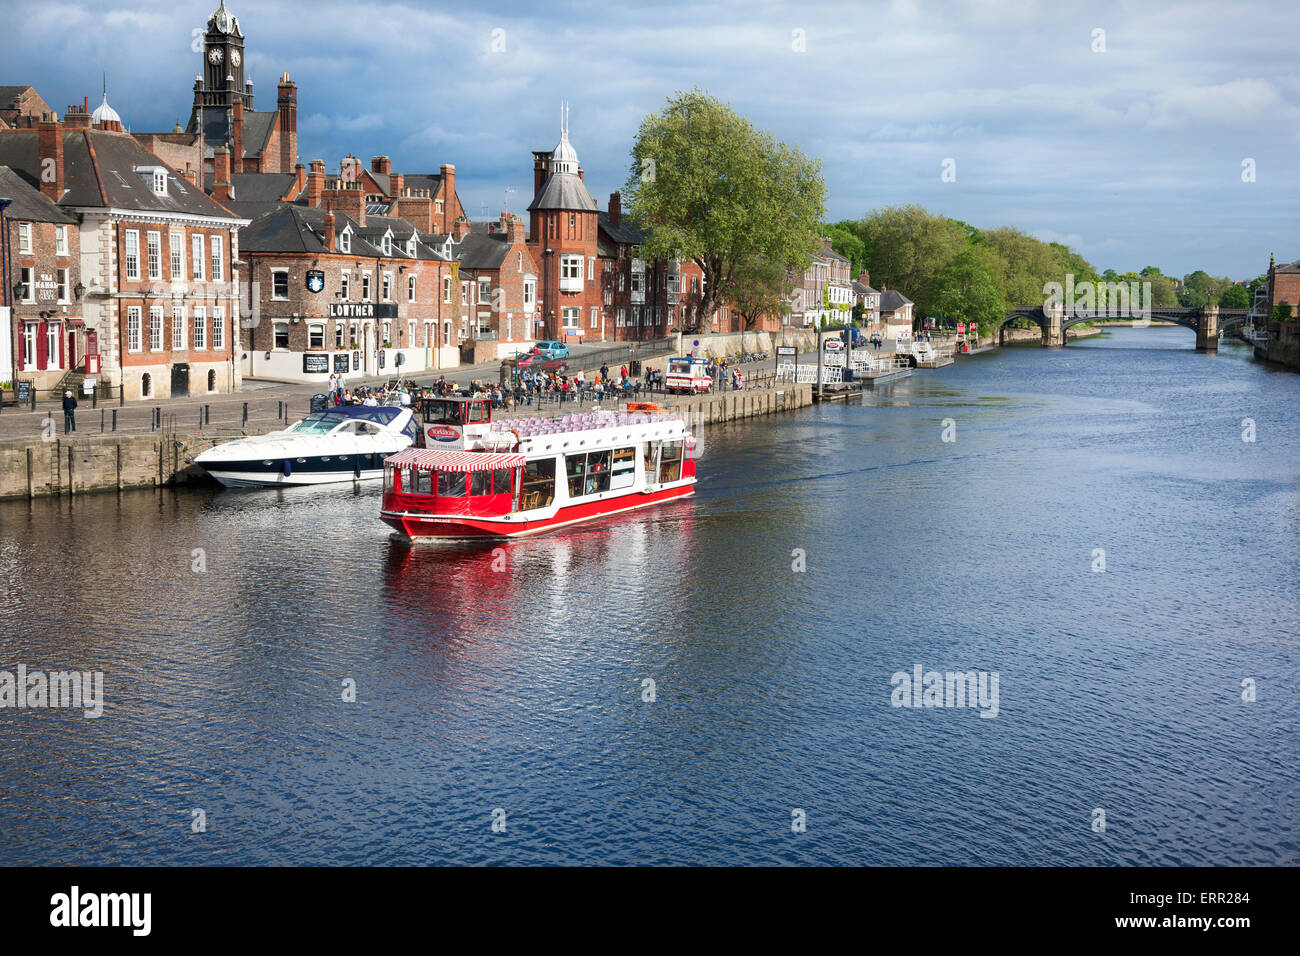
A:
x: 345, y: 443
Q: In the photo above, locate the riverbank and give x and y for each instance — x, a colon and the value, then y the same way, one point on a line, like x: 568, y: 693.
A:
x: 77, y: 464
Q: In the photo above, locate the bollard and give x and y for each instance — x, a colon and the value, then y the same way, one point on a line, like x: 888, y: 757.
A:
x: 207, y: 414
x: 121, y: 394
x: 33, y: 399
x: 279, y: 410
x: 101, y: 421
x: 94, y: 397
x: 245, y: 421
x: 115, y: 419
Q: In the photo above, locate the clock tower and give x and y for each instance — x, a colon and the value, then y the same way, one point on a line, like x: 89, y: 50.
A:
x: 223, y: 61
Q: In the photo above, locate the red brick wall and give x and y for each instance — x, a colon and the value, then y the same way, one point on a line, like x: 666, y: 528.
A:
x: 44, y: 263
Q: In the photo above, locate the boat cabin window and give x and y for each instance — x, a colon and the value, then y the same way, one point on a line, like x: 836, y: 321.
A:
x: 501, y: 481
x: 670, y: 461
x: 423, y: 483
x: 588, y: 473
x: 451, y: 484
x: 539, y: 484
x: 623, y: 468
x: 451, y: 411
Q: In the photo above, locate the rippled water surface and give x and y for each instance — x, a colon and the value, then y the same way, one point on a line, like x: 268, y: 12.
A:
x: 513, y: 679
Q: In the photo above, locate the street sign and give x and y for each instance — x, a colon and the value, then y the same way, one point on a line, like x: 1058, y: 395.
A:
x: 786, y: 350
x: 961, y: 328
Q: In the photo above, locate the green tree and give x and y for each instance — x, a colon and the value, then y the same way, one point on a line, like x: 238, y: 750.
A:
x: 759, y: 287
x: 1234, y: 297
x: 1282, y: 312
x: 709, y: 187
x: 847, y: 242
x: 907, y: 248
x: 967, y: 291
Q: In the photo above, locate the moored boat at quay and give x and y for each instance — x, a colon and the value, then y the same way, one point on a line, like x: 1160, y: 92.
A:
x: 470, y: 477
x: 345, y: 443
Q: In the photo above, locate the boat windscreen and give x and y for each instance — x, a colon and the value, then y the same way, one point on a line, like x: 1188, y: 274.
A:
x: 319, y: 423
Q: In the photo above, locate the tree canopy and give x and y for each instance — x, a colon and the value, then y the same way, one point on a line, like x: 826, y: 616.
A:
x: 707, y: 186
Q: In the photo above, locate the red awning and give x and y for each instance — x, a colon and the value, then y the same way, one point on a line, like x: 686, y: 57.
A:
x: 432, y: 459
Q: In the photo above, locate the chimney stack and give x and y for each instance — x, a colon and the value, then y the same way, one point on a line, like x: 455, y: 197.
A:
x: 513, y: 227
x: 381, y: 164
x: 286, y: 107
x: 396, y: 182
x: 329, y: 230
x: 865, y: 278
x: 459, y: 228
x: 448, y: 193
x: 615, y: 210
x: 76, y: 118
x: 315, y: 182
x: 49, y: 145
x: 221, y: 174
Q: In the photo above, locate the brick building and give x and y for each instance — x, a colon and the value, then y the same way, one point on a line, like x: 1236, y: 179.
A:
x: 21, y: 106
x: 329, y: 292
x: 563, y: 231
x: 157, y: 255
x: 44, y: 341
x: 497, y: 278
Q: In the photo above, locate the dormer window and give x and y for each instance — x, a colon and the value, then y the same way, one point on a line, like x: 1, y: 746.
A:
x: 388, y: 244
x: 345, y: 241
x: 155, y: 177
x: 410, y: 247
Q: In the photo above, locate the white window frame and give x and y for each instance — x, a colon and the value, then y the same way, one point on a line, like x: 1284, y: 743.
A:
x: 218, y: 266
x: 53, y: 339
x: 410, y: 288
x: 386, y: 289
x: 60, y: 240
x: 131, y: 259
x: 595, y: 317
x: 62, y: 274
x: 25, y: 238
x: 345, y: 284
x: 316, y: 328
x: 153, y: 253
x: 30, y: 331
x: 179, y: 333
x: 571, y: 317
x: 27, y: 277
x: 176, y: 252
x: 218, y: 327
x: 446, y: 289
x: 365, y: 287
x: 133, y: 332
x: 198, y: 255
x: 275, y: 331
x: 275, y: 273
x: 199, y: 332
x: 345, y: 240
x: 155, y: 328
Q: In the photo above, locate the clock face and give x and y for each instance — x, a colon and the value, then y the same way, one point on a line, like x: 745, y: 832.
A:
x: 214, y: 55
x: 234, y: 57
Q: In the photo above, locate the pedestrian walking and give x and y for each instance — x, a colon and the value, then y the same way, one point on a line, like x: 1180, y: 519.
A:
x: 70, y: 412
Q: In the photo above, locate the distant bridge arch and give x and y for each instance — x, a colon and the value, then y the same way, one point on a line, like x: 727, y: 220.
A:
x: 1208, y: 322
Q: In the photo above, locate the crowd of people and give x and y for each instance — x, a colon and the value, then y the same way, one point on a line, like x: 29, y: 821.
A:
x: 533, y: 387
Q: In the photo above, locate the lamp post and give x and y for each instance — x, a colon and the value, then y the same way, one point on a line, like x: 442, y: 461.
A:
x: 4, y: 280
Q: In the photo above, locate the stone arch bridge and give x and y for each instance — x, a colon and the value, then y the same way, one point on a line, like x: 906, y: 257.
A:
x: 1208, y: 322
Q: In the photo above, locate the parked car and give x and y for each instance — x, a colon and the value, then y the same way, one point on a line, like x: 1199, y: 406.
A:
x: 553, y: 349
x: 541, y: 360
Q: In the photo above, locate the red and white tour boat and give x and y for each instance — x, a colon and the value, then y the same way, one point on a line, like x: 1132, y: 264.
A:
x: 469, y: 477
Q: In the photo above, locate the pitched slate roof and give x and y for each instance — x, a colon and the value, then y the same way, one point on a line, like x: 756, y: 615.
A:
x: 564, y: 191
x: 28, y: 204
x: 291, y: 228
x: 626, y: 233
x: 256, y: 187
x: 860, y: 289
x: 99, y: 171
x: 215, y: 122
x: 482, y: 249
x: 1293, y: 267
x: 891, y: 300
x: 429, y: 181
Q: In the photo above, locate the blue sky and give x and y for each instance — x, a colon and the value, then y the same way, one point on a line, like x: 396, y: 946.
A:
x: 1132, y: 154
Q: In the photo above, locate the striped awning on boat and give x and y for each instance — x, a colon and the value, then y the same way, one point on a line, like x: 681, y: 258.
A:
x: 433, y: 459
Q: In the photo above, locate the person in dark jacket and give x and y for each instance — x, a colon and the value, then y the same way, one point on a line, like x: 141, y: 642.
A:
x: 69, y: 412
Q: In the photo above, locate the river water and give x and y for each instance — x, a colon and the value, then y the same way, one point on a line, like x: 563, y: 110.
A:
x: 1097, y: 534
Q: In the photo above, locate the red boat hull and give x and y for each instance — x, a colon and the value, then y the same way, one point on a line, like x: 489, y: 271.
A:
x: 461, y: 527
